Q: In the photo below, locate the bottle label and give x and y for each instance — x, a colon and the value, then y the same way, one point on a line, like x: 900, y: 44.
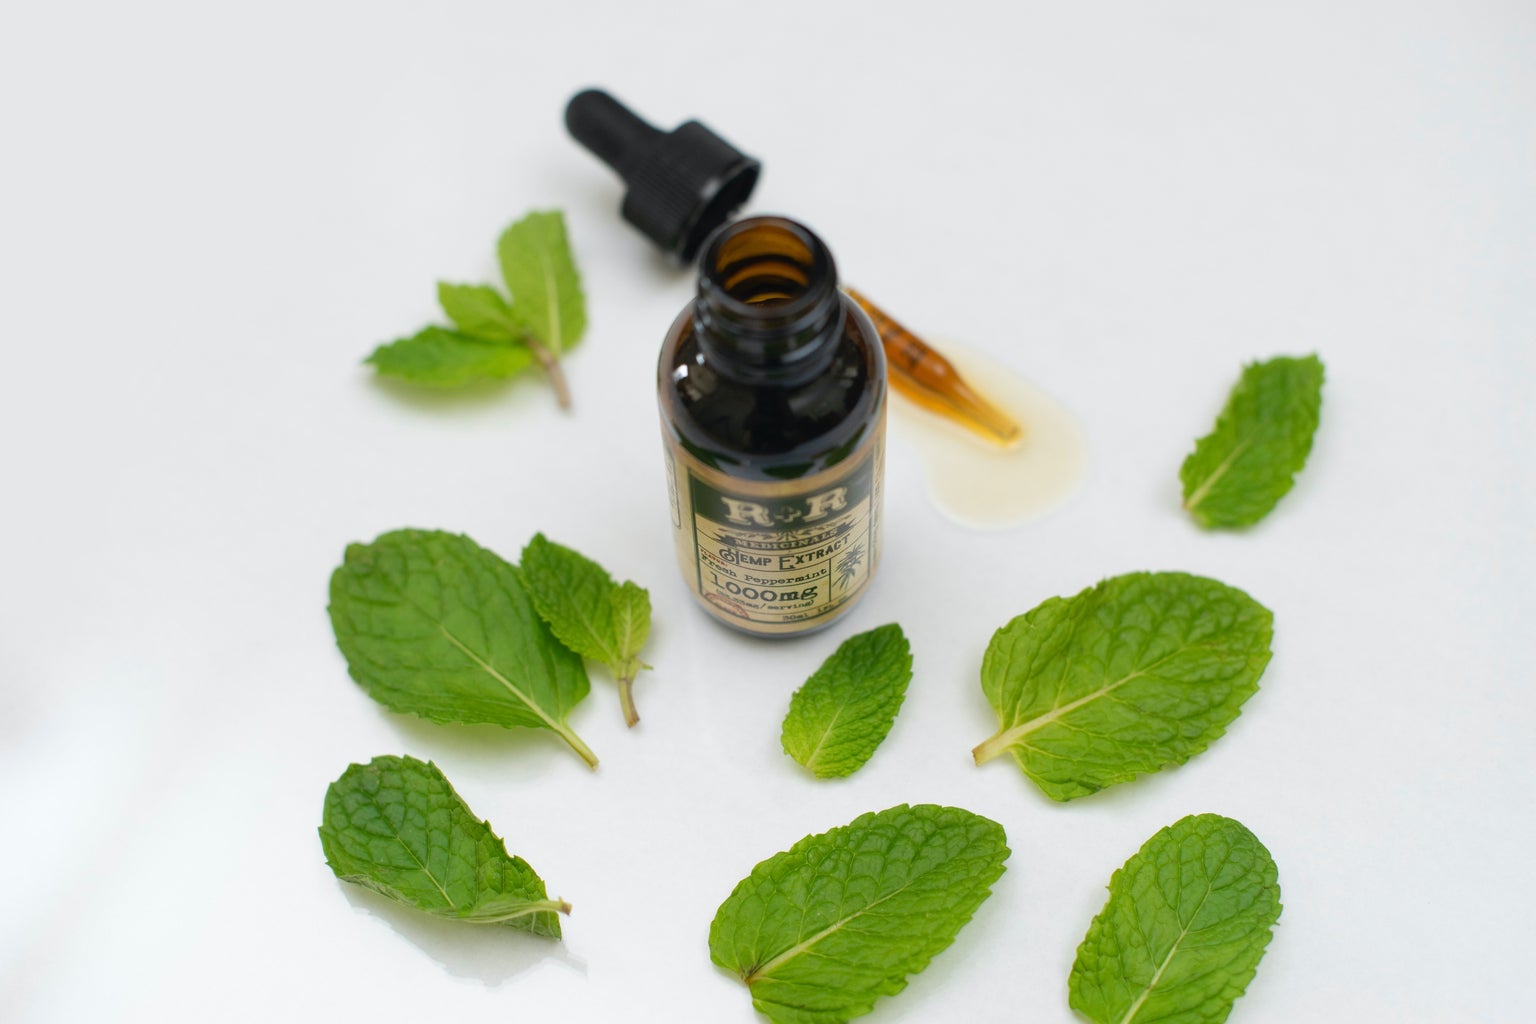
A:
x: 778, y: 557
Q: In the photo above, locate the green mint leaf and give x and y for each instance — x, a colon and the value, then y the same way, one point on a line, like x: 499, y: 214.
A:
x: 479, y: 311
x: 631, y: 625
x: 540, y: 273
x: 396, y: 826
x: 1132, y: 675
x: 432, y: 624
x: 1186, y: 923
x: 820, y: 932
x: 1240, y: 470
x: 844, y: 711
x: 438, y: 357
x: 588, y: 612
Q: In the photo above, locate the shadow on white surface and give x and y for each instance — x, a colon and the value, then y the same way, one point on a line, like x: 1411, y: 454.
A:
x: 486, y: 953
x: 448, y: 401
x: 515, y: 752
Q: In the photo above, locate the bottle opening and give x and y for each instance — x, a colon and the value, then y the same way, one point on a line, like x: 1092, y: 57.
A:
x: 768, y: 300
x: 767, y: 261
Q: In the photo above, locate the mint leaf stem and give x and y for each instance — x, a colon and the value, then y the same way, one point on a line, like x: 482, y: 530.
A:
x: 626, y: 679
x: 538, y: 907
x: 582, y: 750
x: 993, y: 747
x: 552, y: 368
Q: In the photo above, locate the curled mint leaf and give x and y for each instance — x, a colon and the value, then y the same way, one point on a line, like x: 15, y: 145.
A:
x: 1187, y: 921
x: 396, y: 826
x: 432, y: 624
x: 588, y: 612
x: 844, y: 711
x: 1238, y: 472
x: 818, y: 933
x: 439, y: 357
x: 1134, y: 674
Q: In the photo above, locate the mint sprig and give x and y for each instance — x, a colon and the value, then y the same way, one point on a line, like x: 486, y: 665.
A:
x: 589, y: 613
x: 434, y: 625
x: 493, y: 337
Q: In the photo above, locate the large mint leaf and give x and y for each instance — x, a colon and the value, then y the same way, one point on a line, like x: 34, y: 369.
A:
x: 438, y: 357
x: 1134, y: 674
x: 1240, y: 470
x: 820, y: 932
x: 1187, y: 921
x: 434, y: 625
x: 597, y: 618
x: 537, y: 265
x: 395, y: 825
x: 844, y: 711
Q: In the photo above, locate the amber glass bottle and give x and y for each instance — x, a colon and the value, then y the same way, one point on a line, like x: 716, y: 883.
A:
x: 772, y: 392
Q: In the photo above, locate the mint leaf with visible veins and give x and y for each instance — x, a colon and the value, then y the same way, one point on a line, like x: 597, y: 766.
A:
x: 479, y: 311
x: 432, y: 624
x: 588, y: 612
x: 1186, y: 924
x: 1132, y: 675
x: 439, y: 357
x: 818, y: 933
x: 844, y: 711
x: 396, y: 826
x: 1240, y: 470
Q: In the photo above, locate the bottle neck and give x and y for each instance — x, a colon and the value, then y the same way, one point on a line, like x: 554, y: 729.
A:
x: 768, y: 309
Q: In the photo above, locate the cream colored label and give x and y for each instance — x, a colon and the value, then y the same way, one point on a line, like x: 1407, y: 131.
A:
x: 779, y: 557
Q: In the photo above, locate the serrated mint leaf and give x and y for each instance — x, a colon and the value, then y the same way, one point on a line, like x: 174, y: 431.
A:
x: 432, y: 624
x: 1137, y: 673
x: 1187, y: 921
x: 396, y: 826
x: 820, y: 932
x: 597, y: 618
x: 438, y: 357
x: 540, y: 273
x: 479, y: 311
x: 1240, y: 470
x: 844, y: 711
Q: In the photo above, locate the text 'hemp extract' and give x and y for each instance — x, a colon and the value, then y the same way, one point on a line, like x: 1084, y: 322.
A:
x: 772, y: 392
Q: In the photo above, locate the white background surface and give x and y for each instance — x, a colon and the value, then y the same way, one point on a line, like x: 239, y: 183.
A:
x: 210, y: 217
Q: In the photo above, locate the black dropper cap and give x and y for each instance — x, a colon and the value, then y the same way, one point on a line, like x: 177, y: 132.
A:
x: 682, y: 184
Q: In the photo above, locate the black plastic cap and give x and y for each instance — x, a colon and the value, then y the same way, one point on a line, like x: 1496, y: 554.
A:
x: 681, y: 185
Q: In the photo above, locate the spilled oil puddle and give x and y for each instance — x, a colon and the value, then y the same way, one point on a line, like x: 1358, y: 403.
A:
x: 977, y: 483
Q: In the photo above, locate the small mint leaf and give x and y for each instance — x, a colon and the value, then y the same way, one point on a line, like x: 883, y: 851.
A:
x: 439, y: 357
x: 1239, y: 471
x: 479, y: 311
x: 844, y: 711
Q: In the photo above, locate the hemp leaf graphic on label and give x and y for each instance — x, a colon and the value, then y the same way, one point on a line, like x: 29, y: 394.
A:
x: 848, y: 565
